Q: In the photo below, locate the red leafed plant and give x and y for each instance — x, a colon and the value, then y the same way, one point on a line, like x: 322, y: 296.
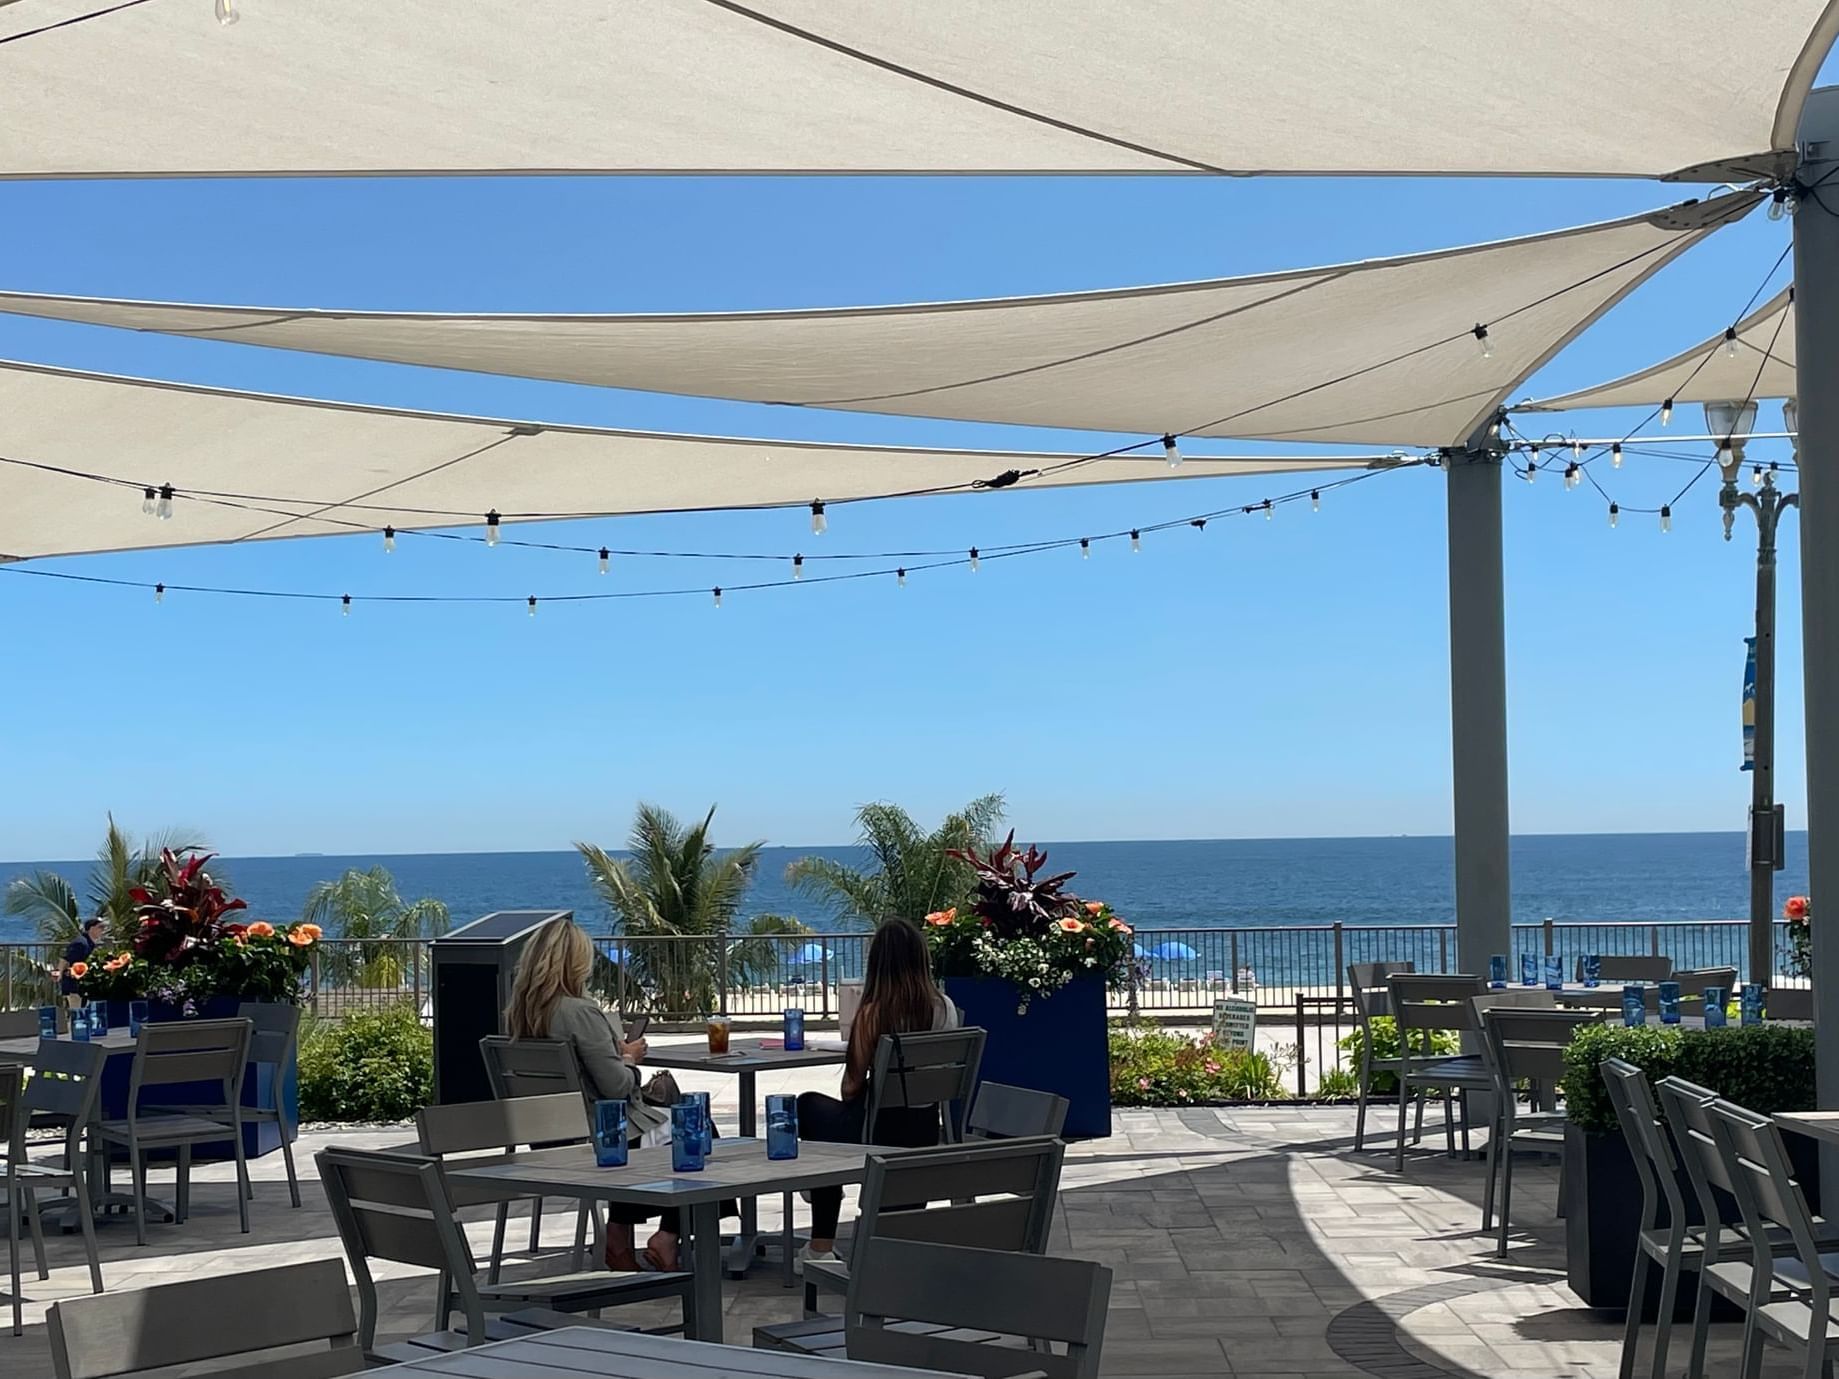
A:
x: 1012, y: 896
x: 189, y: 915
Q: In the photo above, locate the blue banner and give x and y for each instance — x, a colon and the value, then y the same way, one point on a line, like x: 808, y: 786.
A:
x: 1749, y: 705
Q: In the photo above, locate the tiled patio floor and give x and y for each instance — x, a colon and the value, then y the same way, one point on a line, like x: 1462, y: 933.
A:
x: 1244, y: 1242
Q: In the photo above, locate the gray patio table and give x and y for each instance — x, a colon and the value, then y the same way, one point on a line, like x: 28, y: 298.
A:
x: 746, y: 1059
x: 737, y: 1168
x: 574, y: 1351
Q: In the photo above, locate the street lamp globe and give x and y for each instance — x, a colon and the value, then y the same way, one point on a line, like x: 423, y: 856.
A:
x: 1732, y: 423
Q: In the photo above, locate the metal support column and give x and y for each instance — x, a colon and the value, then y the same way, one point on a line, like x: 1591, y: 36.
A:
x: 1478, y: 707
x: 1816, y: 278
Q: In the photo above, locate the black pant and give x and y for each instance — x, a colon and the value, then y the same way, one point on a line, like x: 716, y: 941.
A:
x: 825, y: 1119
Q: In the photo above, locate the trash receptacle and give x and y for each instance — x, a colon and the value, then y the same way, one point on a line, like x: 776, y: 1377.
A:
x: 474, y: 966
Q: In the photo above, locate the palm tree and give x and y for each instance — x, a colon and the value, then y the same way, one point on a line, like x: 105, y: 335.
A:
x: 365, y: 905
x: 757, y: 960
x: 674, y: 890
x: 50, y: 902
x: 911, y: 873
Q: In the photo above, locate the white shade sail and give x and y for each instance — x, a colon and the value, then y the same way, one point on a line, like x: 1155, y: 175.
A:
x: 1703, y: 89
x: 1761, y: 367
x: 248, y: 466
x: 1374, y: 353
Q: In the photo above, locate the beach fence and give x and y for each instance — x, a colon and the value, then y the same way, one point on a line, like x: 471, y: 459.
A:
x: 1295, y: 974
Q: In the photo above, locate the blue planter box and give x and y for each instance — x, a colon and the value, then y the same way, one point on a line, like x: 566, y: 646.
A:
x: 1058, y: 1046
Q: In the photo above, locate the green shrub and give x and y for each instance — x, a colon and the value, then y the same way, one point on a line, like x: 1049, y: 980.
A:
x: 1767, y: 1068
x: 1158, y: 1067
x: 1338, y: 1084
x: 367, y: 1067
x: 1444, y: 1042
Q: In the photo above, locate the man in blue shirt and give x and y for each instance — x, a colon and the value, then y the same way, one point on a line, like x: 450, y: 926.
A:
x: 78, y: 950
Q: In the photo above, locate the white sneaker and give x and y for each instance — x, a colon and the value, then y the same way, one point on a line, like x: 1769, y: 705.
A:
x: 807, y: 1254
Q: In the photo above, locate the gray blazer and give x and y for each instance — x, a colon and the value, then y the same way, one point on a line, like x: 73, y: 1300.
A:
x: 593, y: 1030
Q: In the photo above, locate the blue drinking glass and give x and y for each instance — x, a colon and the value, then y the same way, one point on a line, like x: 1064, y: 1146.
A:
x: 1669, y: 1003
x: 137, y: 1016
x: 47, y: 1022
x: 1497, y: 972
x: 1529, y: 970
x: 708, y: 1121
x: 98, y: 1017
x: 794, y: 1029
x: 1554, y: 972
x: 686, y: 1137
x: 1593, y: 970
x: 79, y: 1025
x: 610, y: 1134
x: 1716, y: 998
x: 782, y: 1127
x: 1634, y: 1006
x: 1751, y: 1009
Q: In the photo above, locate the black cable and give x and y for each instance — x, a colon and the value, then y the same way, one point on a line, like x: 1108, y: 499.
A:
x: 74, y: 19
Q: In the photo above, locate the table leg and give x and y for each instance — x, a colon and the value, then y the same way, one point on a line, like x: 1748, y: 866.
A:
x: 741, y: 1249
x: 706, y: 1271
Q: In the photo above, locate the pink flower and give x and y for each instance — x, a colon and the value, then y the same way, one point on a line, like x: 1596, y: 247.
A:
x: 1142, y: 1084
x: 1213, y: 1067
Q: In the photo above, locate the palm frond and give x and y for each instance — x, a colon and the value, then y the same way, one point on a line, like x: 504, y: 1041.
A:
x: 47, y: 900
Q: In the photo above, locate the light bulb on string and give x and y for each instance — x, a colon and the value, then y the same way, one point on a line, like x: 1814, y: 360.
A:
x: 159, y: 593
x: 1730, y: 342
x: 1270, y: 510
x: 718, y: 596
x: 532, y: 603
x: 1136, y: 542
x: 1573, y: 473
x: 1778, y: 203
x: 1666, y: 517
x: 900, y: 578
x: 1198, y: 523
x: 1615, y: 455
x: 1666, y: 412
x: 1614, y: 513
x: 146, y: 502
x: 1170, y: 451
x: 606, y: 559
x: 798, y: 567
x: 818, y: 524
x: 389, y: 541
x: 975, y: 563
x: 1315, y: 500
x: 227, y: 12
x: 1577, y: 448
x: 345, y: 605
x: 1085, y: 548
x: 1755, y: 475
x: 1481, y: 340
x: 491, y: 527
x: 165, y: 504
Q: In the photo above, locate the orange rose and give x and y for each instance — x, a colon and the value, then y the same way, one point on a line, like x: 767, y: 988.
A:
x: 1072, y: 926
x: 1798, y: 908
x: 940, y: 918
x: 1119, y: 927
x: 79, y: 970
x: 261, y: 929
x: 1094, y: 907
x: 299, y: 938
x: 116, y: 963
x: 312, y: 931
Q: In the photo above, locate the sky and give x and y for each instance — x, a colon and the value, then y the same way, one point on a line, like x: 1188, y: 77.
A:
x: 1258, y: 679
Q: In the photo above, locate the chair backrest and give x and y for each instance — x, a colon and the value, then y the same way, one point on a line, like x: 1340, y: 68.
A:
x: 1768, y: 1196
x: 1649, y: 1144
x: 1049, y: 1301
x: 995, y: 1195
x: 1788, y: 1003
x: 1518, y: 998
x: 223, y: 1316
x: 1688, y: 1108
x: 274, y: 1029
x: 1002, y: 1112
x: 532, y: 1067
x: 1693, y: 980
x: 175, y: 1051
x: 19, y: 1024
x: 65, y: 1085
x: 1530, y: 1044
x: 1366, y: 983
x: 1625, y: 967
x: 472, y: 1127
x: 1434, y: 1001
x: 935, y: 1068
x: 13, y: 1113
x: 396, y: 1206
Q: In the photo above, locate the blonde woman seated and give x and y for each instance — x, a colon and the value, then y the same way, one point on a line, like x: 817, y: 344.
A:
x: 549, y: 1001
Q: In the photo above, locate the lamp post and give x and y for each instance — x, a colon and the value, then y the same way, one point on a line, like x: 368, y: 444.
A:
x: 1734, y: 421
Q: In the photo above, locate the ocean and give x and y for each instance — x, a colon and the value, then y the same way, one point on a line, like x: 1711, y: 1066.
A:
x: 1234, y: 882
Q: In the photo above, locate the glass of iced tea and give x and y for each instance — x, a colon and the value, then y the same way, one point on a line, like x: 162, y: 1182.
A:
x: 718, y: 1034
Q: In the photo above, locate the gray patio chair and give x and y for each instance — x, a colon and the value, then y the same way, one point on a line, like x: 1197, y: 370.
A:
x: 1366, y: 982
x: 274, y: 1036
x: 535, y: 1067
x: 226, y: 1316
x: 938, y: 1068
x: 166, y: 1055
x: 1788, y: 1003
x: 995, y: 1195
x: 396, y: 1206
x: 1662, y: 1238
x: 1423, y: 1005
x: 1002, y: 1112
x: 65, y: 1083
x: 1634, y: 967
x: 1523, y: 1046
x: 978, y: 1312
x: 1693, y: 980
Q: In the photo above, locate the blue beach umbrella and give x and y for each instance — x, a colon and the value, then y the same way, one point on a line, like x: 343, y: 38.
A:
x: 1143, y: 952
x: 809, y: 954
x: 1173, y: 950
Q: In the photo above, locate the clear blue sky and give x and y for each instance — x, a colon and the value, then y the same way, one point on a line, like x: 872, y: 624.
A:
x: 1262, y: 679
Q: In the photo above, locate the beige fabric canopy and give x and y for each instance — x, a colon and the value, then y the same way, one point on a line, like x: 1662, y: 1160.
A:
x: 1374, y: 353
x: 1763, y: 367
x: 1705, y: 89
x: 283, y: 467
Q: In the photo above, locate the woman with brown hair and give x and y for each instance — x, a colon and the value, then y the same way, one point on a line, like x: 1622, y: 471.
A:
x: 898, y: 997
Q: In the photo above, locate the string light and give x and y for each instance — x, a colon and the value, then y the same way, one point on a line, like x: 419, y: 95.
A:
x: 1136, y: 541
x: 1577, y: 448
x: 1614, y: 513
x: 1755, y: 474
x: 165, y: 505
x: 1085, y: 548
x: 389, y: 541
x: 1666, y: 412
x: 532, y: 602
x: 1573, y: 475
x: 798, y: 567
x: 1730, y: 342
x: 1615, y: 455
x: 1666, y: 517
x: 1269, y: 510
x: 975, y: 565
x: 1199, y: 524
x: 159, y: 593
x: 1481, y: 339
x: 900, y: 578
x: 146, y: 502
x: 1782, y: 201
x: 491, y: 527
x: 606, y: 559
x: 1315, y: 500
x: 818, y: 525
x: 345, y: 605
x: 718, y: 596
x: 227, y: 13
x: 1170, y: 451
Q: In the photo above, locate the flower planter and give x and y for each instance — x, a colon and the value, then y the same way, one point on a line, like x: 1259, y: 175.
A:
x: 1058, y: 1045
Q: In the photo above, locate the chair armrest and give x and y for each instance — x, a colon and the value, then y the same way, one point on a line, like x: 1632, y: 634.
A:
x: 830, y: 1276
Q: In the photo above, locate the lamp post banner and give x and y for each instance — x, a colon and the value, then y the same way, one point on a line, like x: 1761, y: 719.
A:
x: 1749, y: 705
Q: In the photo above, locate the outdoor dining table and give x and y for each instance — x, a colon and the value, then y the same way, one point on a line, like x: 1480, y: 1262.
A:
x: 574, y: 1351
x: 746, y: 1059
x: 737, y: 1168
